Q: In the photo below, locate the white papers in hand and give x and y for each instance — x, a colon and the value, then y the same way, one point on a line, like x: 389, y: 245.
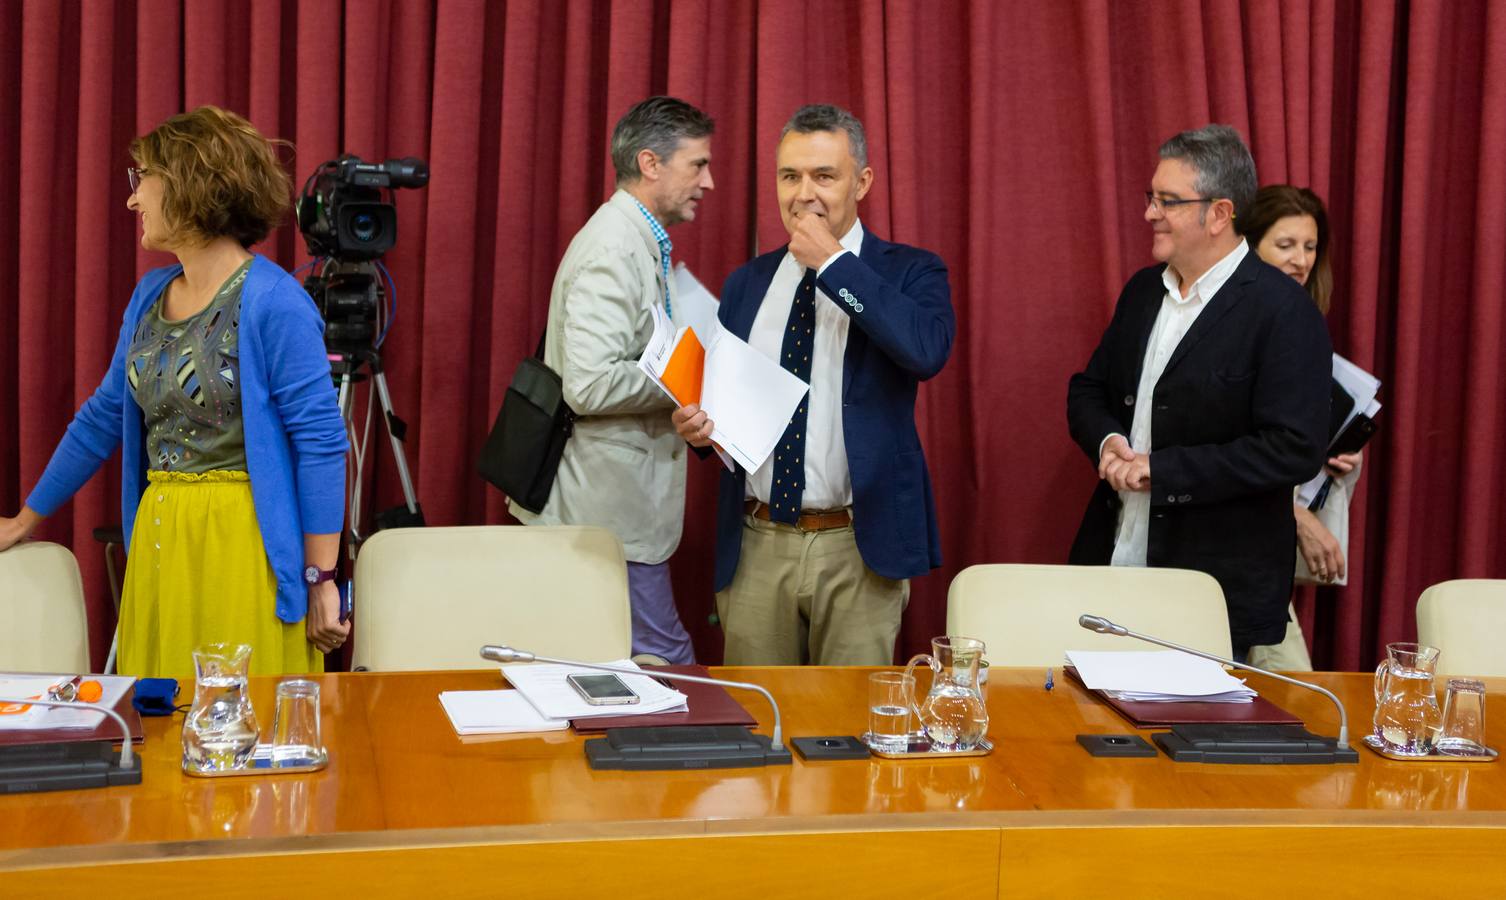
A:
x: 544, y: 686
x: 495, y: 712
x: 1158, y: 675
x: 695, y: 306
x: 1363, y: 387
x: 748, y: 396
x: 113, y: 687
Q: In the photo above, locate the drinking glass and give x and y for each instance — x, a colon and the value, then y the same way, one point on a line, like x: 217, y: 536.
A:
x: 295, y: 737
x: 1463, y: 729
x: 889, y: 697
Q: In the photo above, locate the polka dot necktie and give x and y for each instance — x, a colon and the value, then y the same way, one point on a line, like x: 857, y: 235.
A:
x: 789, y: 453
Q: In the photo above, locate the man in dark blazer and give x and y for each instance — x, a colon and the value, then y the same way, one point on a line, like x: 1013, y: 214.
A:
x: 1207, y: 398
x: 814, y: 550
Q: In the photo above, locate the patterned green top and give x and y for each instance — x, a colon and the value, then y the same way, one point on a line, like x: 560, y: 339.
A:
x: 184, y: 377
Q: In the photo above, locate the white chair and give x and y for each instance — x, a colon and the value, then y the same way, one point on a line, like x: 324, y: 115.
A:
x: 1466, y: 621
x: 429, y: 598
x: 1027, y: 614
x: 43, y: 625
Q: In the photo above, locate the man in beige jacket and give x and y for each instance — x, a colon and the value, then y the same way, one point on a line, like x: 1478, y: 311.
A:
x: 624, y: 467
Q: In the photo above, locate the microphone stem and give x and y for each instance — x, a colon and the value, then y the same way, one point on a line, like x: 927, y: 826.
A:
x: 1343, y: 738
x: 125, y: 745
x: 775, y: 742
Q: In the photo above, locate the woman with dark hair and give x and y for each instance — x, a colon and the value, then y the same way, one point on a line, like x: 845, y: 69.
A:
x: 1288, y: 227
x: 219, y: 394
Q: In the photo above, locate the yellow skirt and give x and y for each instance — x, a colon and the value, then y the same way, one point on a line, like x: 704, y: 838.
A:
x: 198, y: 573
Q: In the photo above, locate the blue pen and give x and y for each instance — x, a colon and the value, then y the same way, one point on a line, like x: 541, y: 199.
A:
x: 1049, y: 682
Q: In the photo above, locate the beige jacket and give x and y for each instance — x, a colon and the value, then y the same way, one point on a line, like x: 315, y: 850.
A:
x: 624, y: 467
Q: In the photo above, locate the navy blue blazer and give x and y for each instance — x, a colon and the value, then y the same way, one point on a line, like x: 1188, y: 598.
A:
x: 901, y: 334
x: 1239, y: 416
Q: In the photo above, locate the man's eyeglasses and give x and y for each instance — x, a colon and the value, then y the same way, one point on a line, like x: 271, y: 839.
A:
x: 1162, y: 204
x: 134, y: 176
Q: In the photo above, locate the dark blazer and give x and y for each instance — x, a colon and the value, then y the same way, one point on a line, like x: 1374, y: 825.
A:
x: 1240, y: 417
x: 901, y: 334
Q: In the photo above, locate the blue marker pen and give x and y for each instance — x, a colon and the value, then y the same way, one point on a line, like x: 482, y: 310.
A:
x: 1049, y: 682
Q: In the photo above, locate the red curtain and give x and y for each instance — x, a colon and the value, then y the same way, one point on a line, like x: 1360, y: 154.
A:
x: 1012, y: 138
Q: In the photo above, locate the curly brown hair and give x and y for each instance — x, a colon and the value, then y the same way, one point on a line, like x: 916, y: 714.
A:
x: 1277, y: 201
x: 220, y: 176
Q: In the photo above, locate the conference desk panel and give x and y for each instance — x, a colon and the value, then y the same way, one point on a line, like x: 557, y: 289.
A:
x: 408, y: 807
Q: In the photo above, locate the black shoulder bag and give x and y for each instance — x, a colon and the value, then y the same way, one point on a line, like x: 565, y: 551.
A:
x: 522, y: 454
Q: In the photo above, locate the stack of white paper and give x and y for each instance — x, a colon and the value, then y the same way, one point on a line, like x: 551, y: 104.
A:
x: 495, y: 712
x: 545, y: 688
x: 1158, y: 675
x: 748, y: 396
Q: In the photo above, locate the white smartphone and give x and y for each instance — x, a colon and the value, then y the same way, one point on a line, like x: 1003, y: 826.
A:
x: 602, y: 690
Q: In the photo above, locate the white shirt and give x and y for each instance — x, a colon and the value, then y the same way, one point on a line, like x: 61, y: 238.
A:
x: 828, y: 483
x: 1176, y: 316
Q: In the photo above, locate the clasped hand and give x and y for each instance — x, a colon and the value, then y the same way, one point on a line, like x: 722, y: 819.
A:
x: 1122, y: 467
x: 811, y: 243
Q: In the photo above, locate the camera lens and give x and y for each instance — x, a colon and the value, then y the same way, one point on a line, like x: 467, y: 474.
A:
x: 365, y: 227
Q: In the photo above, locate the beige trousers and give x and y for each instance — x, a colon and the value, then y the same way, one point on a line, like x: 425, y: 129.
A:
x: 806, y: 597
x: 1288, y: 656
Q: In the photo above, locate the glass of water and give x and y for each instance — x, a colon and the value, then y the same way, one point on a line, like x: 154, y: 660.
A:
x: 295, y: 737
x: 890, y: 695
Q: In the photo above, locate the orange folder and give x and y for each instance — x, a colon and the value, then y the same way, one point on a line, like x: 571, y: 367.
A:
x: 685, y: 369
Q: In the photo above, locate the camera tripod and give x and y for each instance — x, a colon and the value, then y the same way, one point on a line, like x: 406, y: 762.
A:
x: 346, y: 366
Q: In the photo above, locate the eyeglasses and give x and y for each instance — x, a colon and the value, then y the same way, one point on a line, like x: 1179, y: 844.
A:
x: 134, y: 176
x: 1162, y: 205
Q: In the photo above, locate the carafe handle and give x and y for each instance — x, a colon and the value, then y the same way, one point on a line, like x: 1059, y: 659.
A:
x: 935, y: 665
x: 1380, y: 674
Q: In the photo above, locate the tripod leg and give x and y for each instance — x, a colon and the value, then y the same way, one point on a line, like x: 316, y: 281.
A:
x: 380, y: 378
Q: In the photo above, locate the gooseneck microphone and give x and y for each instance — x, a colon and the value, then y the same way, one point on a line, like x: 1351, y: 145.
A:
x: 512, y: 655
x: 1104, y: 626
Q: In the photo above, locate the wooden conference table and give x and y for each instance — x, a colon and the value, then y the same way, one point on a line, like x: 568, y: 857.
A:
x: 407, y: 808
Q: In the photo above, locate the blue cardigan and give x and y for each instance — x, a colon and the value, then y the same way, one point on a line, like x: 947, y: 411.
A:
x: 295, y: 439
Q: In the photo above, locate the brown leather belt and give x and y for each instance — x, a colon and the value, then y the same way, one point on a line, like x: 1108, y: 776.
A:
x: 816, y: 520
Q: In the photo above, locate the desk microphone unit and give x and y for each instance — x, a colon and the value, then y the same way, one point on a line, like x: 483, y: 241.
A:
x: 66, y: 766
x: 1241, y: 742
x: 670, y: 746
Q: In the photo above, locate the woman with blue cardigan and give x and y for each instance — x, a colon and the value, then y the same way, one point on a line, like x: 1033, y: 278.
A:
x: 219, y: 396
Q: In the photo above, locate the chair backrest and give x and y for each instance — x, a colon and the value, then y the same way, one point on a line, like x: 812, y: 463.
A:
x: 429, y: 598
x: 43, y: 625
x: 1027, y: 614
x: 1466, y: 621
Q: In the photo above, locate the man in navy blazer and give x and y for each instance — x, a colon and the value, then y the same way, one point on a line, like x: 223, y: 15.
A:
x: 1207, y: 398
x: 814, y: 550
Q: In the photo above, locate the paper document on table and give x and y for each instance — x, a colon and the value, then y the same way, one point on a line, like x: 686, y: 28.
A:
x: 544, y: 686
x: 495, y: 712
x: 748, y: 396
x: 1158, y: 675
x: 15, y: 717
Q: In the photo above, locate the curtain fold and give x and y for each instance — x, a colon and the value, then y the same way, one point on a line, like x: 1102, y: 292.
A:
x: 1012, y: 139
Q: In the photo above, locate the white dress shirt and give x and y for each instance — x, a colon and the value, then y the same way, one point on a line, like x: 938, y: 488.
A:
x: 1176, y: 316
x: 828, y: 484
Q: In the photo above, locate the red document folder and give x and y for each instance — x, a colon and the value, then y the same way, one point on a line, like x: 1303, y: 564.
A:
x: 708, y: 704
x: 107, y: 730
x: 1159, y: 714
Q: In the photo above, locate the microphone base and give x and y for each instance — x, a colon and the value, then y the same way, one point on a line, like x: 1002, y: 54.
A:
x: 683, y: 747
x: 64, y: 767
x: 1246, y: 744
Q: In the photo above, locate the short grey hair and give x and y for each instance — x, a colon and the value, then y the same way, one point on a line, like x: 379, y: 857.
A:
x: 1223, y: 163
x: 825, y: 117
x: 658, y: 124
